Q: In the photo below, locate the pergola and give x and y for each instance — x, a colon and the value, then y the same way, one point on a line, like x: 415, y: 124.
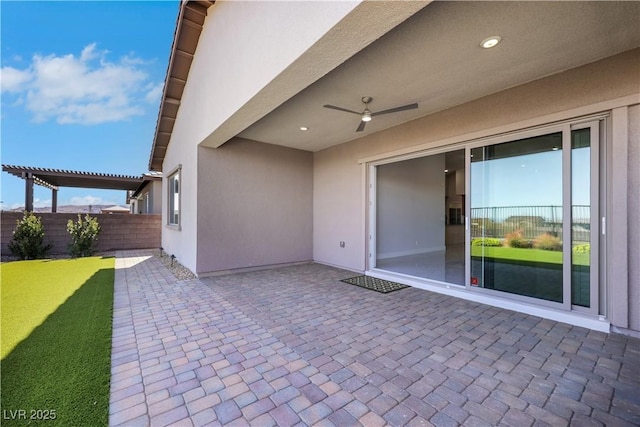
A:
x: 56, y: 178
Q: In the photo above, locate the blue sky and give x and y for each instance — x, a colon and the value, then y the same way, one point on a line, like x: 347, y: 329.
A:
x: 81, y: 84
x: 529, y: 180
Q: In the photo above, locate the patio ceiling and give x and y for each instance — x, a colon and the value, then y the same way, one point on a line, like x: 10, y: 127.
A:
x: 435, y: 59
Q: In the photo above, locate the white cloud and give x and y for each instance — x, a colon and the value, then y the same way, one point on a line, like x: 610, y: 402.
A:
x: 38, y: 203
x: 14, y: 80
x: 154, y: 93
x: 83, y: 89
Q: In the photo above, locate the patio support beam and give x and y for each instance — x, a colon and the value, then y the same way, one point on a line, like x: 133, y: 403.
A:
x: 28, y: 192
x: 54, y: 200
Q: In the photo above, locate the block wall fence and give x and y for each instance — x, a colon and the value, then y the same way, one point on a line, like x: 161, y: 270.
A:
x: 119, y: 231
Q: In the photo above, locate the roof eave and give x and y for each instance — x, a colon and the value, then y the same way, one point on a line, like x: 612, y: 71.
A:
x: 191, y: 16
x: 146, y: 180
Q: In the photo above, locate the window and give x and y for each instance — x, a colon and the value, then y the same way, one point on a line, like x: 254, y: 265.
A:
x: 174, y: 198
x: 147, y: 207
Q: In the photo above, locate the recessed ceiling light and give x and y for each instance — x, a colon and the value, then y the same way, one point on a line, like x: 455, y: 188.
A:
x: 446, y: 170
x: 490, y: 42
x: 304, y: 128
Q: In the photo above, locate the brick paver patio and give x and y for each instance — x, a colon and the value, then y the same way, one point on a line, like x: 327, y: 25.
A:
x: 295, y: 346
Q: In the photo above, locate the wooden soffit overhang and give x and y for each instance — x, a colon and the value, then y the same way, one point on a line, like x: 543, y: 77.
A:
x: 189, y: 24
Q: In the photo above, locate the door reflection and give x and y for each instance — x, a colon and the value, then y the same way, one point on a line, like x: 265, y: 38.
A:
x: 516, y: 217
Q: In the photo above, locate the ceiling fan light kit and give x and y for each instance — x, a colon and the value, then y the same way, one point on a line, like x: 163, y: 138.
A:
x: 366, y: 115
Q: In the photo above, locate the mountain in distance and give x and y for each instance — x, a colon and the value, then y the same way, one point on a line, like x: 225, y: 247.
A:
x: 82, y: 209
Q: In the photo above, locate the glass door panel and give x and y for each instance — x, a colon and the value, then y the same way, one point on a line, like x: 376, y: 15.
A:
x: 516, y: 217
x: 419, y: 220
x: 581, y: 217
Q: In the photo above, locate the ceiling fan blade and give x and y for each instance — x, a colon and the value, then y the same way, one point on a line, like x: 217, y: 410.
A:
x: 395, y: 110
x: 361, y: 126
x: 333, y: 107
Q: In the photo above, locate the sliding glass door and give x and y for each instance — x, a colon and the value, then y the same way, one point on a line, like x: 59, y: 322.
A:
x: 512, y: 217
x: 532, y: 215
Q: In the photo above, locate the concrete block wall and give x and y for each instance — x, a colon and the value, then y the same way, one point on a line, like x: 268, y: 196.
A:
x: 119, y: 231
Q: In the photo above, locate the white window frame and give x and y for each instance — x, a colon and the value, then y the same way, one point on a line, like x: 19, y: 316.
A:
x: 171, y: 222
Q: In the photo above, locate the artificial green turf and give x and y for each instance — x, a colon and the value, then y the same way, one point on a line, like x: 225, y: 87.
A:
x: 56, y: 340
x: 527, y: 255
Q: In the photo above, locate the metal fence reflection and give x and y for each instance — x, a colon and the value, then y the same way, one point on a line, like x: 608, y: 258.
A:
x: 532, y: 221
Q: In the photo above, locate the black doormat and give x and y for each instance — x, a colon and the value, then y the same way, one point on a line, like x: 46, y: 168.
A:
x: 374, y: 284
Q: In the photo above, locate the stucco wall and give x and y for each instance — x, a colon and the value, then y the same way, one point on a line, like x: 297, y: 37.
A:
x: 154, y: 189
x: 224, y: 65
x: 295, y: 44
x: 156, y: 197
x: 118, y: 231
x: 181, y: 241
x: 633, y: 208
x: 339, y: 178
x: 254, y: 206
x: 221, y: 81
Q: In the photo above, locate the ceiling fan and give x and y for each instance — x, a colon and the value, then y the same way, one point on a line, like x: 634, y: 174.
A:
x: 367, y: 114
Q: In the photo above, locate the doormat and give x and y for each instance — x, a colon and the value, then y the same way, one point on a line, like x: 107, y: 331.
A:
x: 374, y: 284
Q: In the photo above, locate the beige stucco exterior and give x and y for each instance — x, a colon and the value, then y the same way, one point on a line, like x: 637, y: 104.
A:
x: 248, y: 204
x: 222, y: 82
x: 224, y: 72
x: 258, y: 208
x: 153, y: 191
